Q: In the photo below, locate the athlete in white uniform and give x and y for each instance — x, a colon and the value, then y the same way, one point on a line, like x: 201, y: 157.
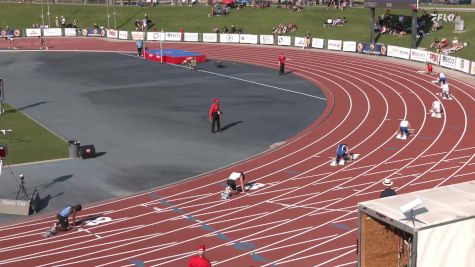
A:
x: 445, y: 89
x: 404, y: 129
x: 232, y: 182
x: 441, y: 78
x: 436, y: 108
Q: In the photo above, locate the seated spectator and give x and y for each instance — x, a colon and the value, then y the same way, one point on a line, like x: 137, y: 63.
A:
x: 225, y: 29
x: 328, y: 22
x: 436, y: 26
x: 216, y: 29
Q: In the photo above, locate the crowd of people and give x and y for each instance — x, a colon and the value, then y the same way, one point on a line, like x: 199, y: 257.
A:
x: 225, y: 29
x: 445, y: 47
x: 284, y: 28
x: 392, y: 24
x: 143, y: 24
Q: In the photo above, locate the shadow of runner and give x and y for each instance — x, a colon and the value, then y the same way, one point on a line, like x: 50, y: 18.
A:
x: 227, y: 126
x: 26, y: 107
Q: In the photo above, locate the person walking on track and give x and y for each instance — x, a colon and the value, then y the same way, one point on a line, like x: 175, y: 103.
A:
x: 215, y: 115
x: 199, y: 259
x: 282, y: 60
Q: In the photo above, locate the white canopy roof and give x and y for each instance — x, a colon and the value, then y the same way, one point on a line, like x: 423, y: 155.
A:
x: 439, y: 206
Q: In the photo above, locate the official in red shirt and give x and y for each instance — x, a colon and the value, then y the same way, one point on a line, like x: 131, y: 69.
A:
x: 282, y: 60
x: 199, y: 260
x: 429, y: 68
x: 214, y: 115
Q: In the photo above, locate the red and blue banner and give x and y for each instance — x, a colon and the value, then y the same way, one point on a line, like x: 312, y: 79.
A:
x: 371, y: 49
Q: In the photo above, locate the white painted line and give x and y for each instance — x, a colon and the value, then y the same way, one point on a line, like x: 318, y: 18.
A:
x: 192, y: 197
x: 298, y: 196
x: 428, y: 181
x: 245, y: 228
x: 331, y: 181
x: 273, y: 191
x: 337, y: 257
x: 273, y: 235
x: 316, y: 254
x: 345, y: 220
x: 296, y: 243
x: 353, y: 263
x: 228, y: 220
x: 262, y: 84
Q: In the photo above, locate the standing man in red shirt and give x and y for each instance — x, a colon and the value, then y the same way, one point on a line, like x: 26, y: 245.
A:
x: 199, y: 260
x: 214, y: 115
x: 282, y: 60
x: 429, y: 68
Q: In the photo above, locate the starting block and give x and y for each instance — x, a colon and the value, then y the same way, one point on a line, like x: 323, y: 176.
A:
x: 398, y: 136
x: 354, y: 156
x: 333, y: 163
x: 404, y: 137
x: 436, y: 115
x: 226, y: 194
x: 341, y: 162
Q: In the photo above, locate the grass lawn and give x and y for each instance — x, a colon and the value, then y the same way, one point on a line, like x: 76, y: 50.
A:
x: 29, y: 141
x: 253, y: 21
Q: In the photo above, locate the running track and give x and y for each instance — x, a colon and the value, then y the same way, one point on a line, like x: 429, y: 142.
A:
x: 306, y: 213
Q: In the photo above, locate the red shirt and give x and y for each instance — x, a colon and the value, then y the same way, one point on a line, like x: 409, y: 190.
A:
x: 429, y: 67
x: 197, y: 261
x: 281, y: 59
x: 214, y: 108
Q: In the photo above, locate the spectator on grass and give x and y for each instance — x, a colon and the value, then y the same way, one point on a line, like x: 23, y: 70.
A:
x: 63, y: 21
x: 56, y: 22
x: 216, y: 29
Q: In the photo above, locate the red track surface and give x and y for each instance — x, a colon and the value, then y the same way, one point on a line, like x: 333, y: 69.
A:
x: 305, y: 215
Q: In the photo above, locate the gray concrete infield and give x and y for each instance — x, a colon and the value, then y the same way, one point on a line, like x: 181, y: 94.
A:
x: 148, y: 121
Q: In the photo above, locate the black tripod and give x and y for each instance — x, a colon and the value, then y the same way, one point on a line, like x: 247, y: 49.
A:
x: 22, y: 193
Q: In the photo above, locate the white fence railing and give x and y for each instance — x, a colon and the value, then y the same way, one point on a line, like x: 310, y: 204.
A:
x: 446, y: 61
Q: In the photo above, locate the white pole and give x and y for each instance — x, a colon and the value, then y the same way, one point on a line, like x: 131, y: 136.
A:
x: 48, y: 13
x: 161, y: 47
x: 42, y: 14
x: 108, y: 15
x: 2, y: 97
x: 115, y: 22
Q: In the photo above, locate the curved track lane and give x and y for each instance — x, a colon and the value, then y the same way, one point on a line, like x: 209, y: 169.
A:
x: 306, y: 213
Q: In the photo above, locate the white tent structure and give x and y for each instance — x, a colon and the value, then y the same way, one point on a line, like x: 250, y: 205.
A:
x: 429, y: 228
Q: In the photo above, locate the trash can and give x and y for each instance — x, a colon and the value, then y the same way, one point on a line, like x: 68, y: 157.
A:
x: 74, y: 148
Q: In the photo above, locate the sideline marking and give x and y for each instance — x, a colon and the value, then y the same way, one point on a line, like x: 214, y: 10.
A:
x: 242, y: 80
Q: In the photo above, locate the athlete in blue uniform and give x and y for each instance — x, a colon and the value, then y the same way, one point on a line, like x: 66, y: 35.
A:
x: 342, y: 152
x: 63, y: 215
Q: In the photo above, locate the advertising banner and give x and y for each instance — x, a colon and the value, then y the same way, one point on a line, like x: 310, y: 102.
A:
x: 399, y: 52
x: 349, y: 46
x: 284, y: 40
x: 462, y: 65
x: 191, y: 37
x: 53, y: 32
x: 112, y: 34
x: 318, y: 43
x: 70, y: 32
x: 299, y: 41
x: 94, y: 32
x: 266, y: 39
x: 371, y: 49
x: 229, y: 38
x: 433, y: 58
x: 173, y: 36
x: 5, y: 33
x: 33, y: 32
x: 123, y: 35
x: 447, y: 61
x: 210, y: 37
x: 418, y: 55
x: 473, y: 68
x: 155, y: 36
x: 248, y: 38
x: 138, y: 35
x: 334, y: 45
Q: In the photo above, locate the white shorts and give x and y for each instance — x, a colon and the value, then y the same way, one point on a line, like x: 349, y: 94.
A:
x: 445, y: 90
x: 436, y: 110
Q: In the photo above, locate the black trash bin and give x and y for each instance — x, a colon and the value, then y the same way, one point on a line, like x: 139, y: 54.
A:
x: 74, y: 148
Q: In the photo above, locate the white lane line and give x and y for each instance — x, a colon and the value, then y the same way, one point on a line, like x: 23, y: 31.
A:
x: 297, y: 243
x: 272, y: 191
x: 287, y: 198
x: 298, y: 196
x: 353, y: 263
x: 331, y: 181
x: 278, y: 234
x: 345, y: 220
x: 335, y: 258
x: 174, y: 200
x: 262, y: 84
x: 316, y: 254
x: 426, y: 182
x: 243, y: 229
x: 229, y: 220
